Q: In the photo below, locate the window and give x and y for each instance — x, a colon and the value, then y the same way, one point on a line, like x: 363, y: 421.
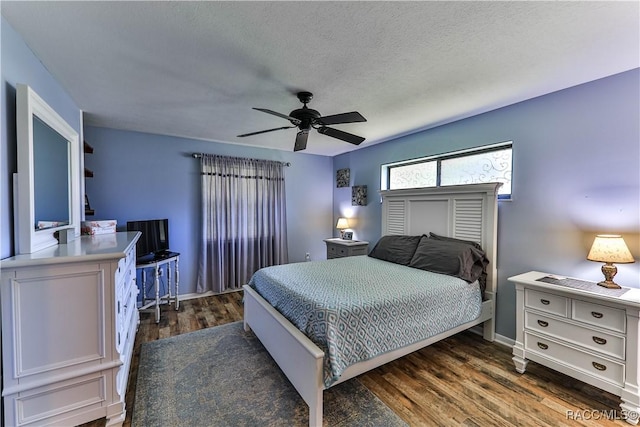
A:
x: 483, y: 164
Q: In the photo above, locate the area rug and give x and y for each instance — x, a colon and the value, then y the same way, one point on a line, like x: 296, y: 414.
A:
x: 223, y: 376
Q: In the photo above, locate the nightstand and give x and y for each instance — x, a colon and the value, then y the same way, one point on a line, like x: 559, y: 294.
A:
x: 582, y: 330
x: 340, y: 248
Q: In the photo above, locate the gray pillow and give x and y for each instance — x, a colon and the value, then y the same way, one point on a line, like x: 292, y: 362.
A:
x: 396, y: 249
x: 449, y: 257
x: 453, y: 239
x: 483, y: 277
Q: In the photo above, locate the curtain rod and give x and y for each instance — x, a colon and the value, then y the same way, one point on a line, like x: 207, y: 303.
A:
x: 198, y: 155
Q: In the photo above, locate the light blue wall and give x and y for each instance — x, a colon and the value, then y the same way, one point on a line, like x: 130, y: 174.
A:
x: 576, y: 173
x: 144, y: 176
x: 20, y: 65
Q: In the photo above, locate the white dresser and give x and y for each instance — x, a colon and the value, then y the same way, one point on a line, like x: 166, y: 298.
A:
x: 582, y: 330
x: 69, y: 319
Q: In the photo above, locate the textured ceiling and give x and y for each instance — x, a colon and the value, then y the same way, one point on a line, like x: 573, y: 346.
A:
x: 195, y: 69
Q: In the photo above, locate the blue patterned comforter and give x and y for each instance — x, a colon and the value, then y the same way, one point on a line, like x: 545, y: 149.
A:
x: 359, y: 307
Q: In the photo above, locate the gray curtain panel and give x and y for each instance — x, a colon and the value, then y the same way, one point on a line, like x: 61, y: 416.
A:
x: 243, y: 220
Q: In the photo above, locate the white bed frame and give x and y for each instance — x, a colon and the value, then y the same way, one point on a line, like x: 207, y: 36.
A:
x: 466, y: 212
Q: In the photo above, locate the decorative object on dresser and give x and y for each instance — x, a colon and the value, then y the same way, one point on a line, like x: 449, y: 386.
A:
x: 91, y: 228
x: 610, y: 248
x: 69, y: 320
x: 348, y: 235
x: 339, y: 248
x: 582, y: 330
x: 359, y: 195
x: 342, y: 225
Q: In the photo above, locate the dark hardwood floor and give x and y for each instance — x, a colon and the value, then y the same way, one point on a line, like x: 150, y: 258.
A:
x: 460, y: 381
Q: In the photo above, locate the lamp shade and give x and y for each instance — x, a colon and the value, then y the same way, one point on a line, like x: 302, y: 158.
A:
x: 610, y: 248
x: 342, y: 223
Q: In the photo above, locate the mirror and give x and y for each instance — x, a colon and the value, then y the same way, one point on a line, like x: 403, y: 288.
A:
x: 47, y: 189
x: 50, y: 177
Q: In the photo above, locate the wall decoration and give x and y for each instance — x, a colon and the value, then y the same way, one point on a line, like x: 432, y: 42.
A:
x: 342, y: 177
x: 359, y: 195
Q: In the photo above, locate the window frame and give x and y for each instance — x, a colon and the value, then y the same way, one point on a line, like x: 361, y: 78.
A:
x: 385, y: 181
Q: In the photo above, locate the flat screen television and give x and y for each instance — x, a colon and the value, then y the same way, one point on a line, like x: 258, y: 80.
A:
x: 155, y: 237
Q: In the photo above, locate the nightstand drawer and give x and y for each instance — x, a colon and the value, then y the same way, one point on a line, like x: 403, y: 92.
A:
x: 549, y: 303
x: 601, y: 342
x: 360, y: 250
x: 336, y: 251
x: 599, y: 315
x: 595, y: 366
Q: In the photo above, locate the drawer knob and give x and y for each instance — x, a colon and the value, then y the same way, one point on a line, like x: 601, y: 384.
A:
x: 599, y: 340
x: 596, y: 314
x: 545, y: 324
x: 599, y: 366
x: 543, y: 345
x: 545, y: 301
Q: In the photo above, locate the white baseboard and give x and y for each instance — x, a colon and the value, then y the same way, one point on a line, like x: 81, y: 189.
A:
x: 500, y: 339
x: 506, y: 341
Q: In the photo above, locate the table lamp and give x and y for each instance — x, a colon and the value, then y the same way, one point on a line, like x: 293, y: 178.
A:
x: 609, y: 248
x: 342, y: 225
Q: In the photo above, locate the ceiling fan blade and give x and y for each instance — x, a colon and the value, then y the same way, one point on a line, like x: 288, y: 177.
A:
x: 301, y: 140
x: 335, y: 119
x: 345, y: 136
x: 264, y: 131
x: 275, y: 113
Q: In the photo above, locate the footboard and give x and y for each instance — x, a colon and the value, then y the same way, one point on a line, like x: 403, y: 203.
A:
x: 299, y: 358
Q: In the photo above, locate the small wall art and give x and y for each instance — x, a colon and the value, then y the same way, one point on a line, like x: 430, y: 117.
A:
x: 359, y: 195
x: 342, y: 177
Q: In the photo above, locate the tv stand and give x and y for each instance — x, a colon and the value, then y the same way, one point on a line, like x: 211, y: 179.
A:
x: 159, y: 265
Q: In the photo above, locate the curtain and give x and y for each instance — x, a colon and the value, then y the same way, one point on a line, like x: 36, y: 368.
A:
x: 243, y: 220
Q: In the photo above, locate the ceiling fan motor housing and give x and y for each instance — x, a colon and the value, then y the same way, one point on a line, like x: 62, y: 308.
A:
x: 305, y: 115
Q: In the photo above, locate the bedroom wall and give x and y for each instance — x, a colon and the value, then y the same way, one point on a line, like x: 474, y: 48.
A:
x: 146, y: 176
x: 20, y: 65
x: 576, y: 163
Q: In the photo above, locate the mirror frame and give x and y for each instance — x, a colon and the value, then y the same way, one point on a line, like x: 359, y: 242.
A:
x: 28, y: 239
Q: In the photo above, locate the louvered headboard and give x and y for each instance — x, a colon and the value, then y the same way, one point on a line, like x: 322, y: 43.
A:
x: 468, y: 212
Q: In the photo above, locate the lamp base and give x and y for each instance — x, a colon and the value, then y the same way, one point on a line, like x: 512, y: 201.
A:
x: 609, y: 270
x: 342, y: 234
x: 609, y: 284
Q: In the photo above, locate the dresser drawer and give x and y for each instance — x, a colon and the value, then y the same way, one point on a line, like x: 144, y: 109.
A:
x: 598, y: 341
x: 126, y: 265
x: 549, y: 303
x: 125, y: 308
x: 599, y: 315
x: 591, y: 364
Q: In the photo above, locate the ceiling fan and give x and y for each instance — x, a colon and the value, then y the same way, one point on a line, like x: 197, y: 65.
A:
x: 305, y: 118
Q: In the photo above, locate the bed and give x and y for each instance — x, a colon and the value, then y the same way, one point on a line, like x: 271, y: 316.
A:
x: 466, y: 212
